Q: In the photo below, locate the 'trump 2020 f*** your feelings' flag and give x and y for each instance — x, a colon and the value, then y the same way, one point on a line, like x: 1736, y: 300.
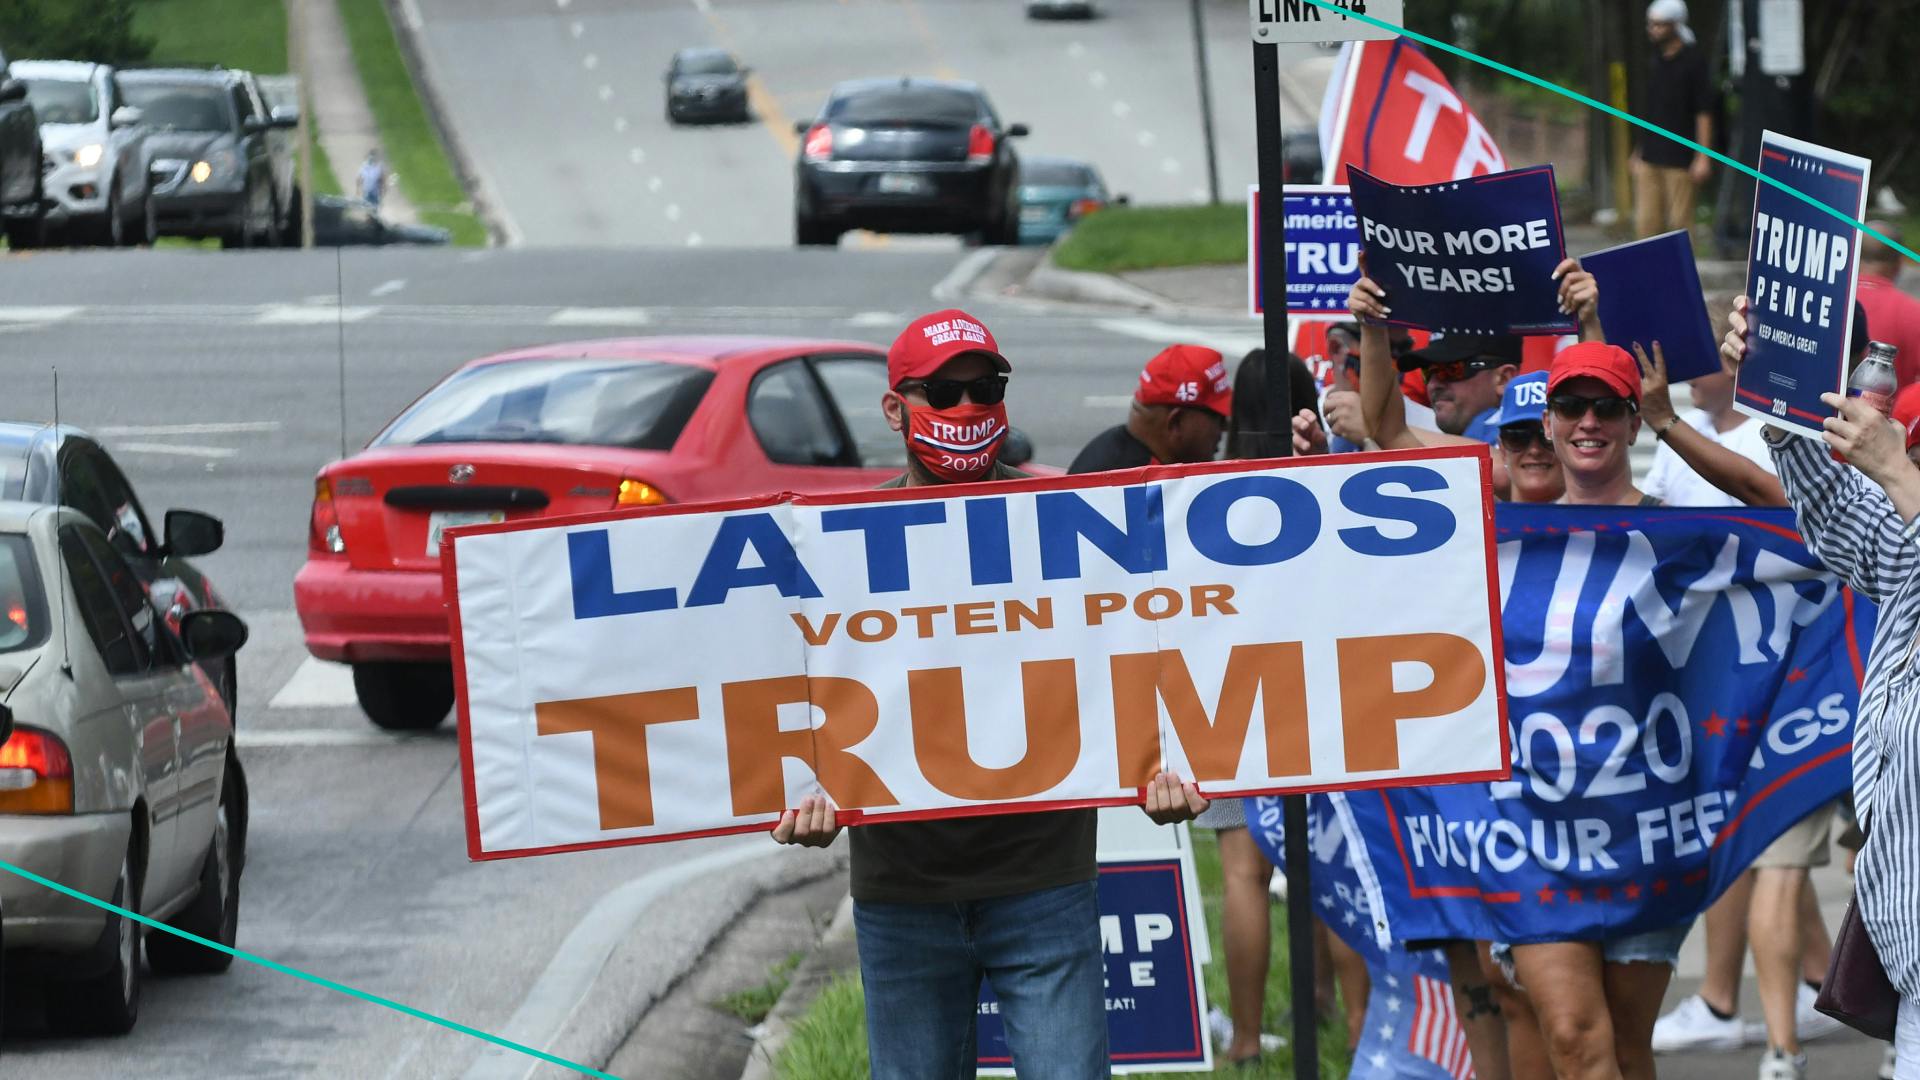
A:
x: 1472, y: 256
x: 920, y: 653
x: 1803, y: 269
x: 1682, y: 690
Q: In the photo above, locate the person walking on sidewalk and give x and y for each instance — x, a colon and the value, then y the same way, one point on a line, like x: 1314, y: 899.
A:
x: 1679, y: 98
x: 373, y: 178
x: 938, y: 905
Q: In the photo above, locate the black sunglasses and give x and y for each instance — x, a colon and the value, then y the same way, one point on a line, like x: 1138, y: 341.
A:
x: 1571, y: 407
x: 1516, y: 438
x: 946, y: 393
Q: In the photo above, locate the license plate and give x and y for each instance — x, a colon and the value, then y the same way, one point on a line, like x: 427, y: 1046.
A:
x: 902, y: 184
x: 1036, y: 213
x: 442, y: 520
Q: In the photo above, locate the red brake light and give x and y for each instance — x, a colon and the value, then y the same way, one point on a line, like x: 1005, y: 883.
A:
x: 36, y: 774
x: 17, y: 615
x: 819, y: 145
x: 1082, y: 207
x: 979, y: 145
x: 323, y: 530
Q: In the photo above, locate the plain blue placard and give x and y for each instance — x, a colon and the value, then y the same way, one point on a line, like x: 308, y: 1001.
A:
x: 1650, y: 291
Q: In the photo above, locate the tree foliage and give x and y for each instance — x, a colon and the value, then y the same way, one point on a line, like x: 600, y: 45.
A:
x: 97, y: 30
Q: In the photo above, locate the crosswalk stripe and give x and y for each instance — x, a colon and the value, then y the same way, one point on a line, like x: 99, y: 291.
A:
x: 303, y: 315
x: 316, y: 684
x: 600, y: 316
x: 22, y: 314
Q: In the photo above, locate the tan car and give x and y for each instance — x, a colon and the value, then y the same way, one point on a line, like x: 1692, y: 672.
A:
x: 120, y: 777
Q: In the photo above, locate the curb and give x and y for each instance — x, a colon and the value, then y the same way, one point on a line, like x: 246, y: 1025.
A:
x: 1049, y: 281
x: 404, y: 17
x: 833, y: 955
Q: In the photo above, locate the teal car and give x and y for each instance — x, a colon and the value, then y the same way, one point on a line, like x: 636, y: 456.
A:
x: 1055, y: 193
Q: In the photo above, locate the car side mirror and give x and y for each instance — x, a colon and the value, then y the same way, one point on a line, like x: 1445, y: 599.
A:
x: 286, y: 116
x: 1018, y: 450
x: 190, y: 532
x: 6, y: 724
x: 1123, y: 200
x: 253, y: 125
x: 13, y: 90
x: 212, y: 635
x: 1014, y: 131
x: 127, y: 116
x: 801, y: 127
x: 745, y: 71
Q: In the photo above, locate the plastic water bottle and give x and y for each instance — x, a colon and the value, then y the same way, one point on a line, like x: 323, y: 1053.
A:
x: 1873, y: 380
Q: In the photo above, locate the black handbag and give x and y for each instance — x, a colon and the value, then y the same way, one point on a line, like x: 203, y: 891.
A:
x: 1857, y: 992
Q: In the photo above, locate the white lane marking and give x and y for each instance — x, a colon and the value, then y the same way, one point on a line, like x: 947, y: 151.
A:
x: 620, y: 124
x: 875, y: 318
x: 694, y: 240
x: 1097, y: 78
x: 704, y: 5
x: 303, y: 315
x: 653, y: 184
x: 1121, y: 109
x: 562, y: 4
x: 1169, y: 165
x: 636, y: 155
x: 561, y: 989
x: 590, y: 61
x: 1076, y: 50
x: 235, y: 427
x: 388, y: 288
x: 1230, y: 342
x: 673, y: 211
x: 600, y: 316
x: 284, y: 738
x: 1106, y: 401
x: 606, y: 92
x: 37, y: 314
x: 1145, y: 138
x: 578, y: 28
x: 316, y: 684
x: 175, y: 449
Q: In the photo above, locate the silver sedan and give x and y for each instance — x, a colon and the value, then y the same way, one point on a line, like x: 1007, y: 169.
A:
x: 120, y: 777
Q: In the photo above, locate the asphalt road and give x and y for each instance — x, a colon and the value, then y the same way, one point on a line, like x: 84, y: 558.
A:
x: 561, y: 103
x: 215, y: 379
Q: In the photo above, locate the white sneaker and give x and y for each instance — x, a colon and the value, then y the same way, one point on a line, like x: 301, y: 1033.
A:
x: 1810, y: 1023
x: 1776, y: 1065
x: 1692, y: 1026
x: 1886, y: 1065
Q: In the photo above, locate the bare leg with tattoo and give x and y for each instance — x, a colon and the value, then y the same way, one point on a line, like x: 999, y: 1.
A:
x: 1479, y: 1012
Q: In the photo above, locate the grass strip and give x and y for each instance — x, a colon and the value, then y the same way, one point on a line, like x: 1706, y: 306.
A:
x: 247, y: 34
x: 755, y: 1002
x: 1150, y: 237
x: 414, y: 154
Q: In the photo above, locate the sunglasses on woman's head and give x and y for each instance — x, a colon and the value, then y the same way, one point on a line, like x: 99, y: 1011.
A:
x: 946, y: 393
x: 1516, y: 438
x: 1571, y: 407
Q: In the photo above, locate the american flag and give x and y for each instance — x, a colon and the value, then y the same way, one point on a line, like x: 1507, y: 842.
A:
x: 1437, y: 1035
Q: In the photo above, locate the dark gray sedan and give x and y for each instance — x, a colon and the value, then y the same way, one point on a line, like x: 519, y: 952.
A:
x: 706, y: 84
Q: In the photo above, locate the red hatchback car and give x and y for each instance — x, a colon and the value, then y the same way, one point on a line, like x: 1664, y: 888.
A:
x: 567, y: 429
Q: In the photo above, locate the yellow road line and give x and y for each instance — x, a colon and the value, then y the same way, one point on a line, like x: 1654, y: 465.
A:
x: 919, y: 20
x: 766, y: 107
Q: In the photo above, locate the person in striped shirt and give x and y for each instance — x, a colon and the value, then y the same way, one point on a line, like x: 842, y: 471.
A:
x: 1862, y: 522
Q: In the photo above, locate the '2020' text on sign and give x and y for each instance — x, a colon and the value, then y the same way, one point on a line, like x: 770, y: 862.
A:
x: 921, y: 653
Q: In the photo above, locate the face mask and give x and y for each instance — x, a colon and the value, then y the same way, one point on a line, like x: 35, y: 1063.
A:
x: 957, y: 444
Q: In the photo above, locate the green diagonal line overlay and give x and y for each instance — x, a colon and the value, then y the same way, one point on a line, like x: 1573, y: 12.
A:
x: 1583, y: 99
x: 317, y: 980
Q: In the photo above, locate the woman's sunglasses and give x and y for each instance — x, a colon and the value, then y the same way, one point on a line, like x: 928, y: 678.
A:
x: 1572, y: 407
x: 1517, y: 438
x: 946, y: 393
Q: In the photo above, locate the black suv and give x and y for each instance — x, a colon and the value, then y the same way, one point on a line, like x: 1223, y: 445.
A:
x: 20, y: 163
x: 907, y: 155
x: 218, y: 166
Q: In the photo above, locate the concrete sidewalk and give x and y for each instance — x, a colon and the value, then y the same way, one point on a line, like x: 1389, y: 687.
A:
x: 342, y: 118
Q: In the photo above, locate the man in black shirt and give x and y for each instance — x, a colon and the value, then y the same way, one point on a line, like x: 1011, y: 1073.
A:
x: 1679, y: 98
x: 1178, y: 414
x: 939, y: 904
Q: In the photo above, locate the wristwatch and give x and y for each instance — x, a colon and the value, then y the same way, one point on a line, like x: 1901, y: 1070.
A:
x: 1775, y: 435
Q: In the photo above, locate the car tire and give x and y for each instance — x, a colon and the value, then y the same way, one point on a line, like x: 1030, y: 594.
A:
x: 296, y: 220
x: 810, y: 233
x: 403, y: 696
x: 148, y: 230
x: 113, y: 228
x: 215, y: 911
x: 108, y: 1003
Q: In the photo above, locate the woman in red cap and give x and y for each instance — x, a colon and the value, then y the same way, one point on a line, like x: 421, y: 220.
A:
x: 1593, y: 418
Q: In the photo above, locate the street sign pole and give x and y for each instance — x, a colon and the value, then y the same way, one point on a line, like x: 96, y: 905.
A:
x: 1206, y: 102
x: 1279, y: 410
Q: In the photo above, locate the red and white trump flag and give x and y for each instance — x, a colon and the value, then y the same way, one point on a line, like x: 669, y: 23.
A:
x: 1390, y: 111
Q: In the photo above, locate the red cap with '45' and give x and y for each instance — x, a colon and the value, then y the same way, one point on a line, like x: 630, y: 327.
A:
x: 931, y: 340
x: 1190, y: 376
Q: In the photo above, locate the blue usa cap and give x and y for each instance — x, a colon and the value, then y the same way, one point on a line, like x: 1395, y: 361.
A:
x: 1525, y: 400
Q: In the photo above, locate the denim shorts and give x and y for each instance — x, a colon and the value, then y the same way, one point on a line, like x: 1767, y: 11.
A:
x: 1657, y: 946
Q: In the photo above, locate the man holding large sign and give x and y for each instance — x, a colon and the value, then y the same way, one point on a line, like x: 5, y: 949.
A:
x: 1473, y: 256
x: 1803, y: 269
x: 998, y: 656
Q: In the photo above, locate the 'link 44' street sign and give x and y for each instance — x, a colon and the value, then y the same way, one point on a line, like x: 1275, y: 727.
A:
x: 1276, y: 21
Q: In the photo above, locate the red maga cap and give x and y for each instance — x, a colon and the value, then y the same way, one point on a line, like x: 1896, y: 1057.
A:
x: 931, y: 340
x: 1608, y: 363
x: 1906, y: 412
x: 1191, y: 376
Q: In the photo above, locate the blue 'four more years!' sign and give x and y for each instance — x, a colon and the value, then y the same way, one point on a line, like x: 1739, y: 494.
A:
x: 1803, y: 268
x: 1156, y: 1002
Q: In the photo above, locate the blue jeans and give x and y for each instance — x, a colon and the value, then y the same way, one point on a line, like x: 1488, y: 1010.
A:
x: 921, y: 965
